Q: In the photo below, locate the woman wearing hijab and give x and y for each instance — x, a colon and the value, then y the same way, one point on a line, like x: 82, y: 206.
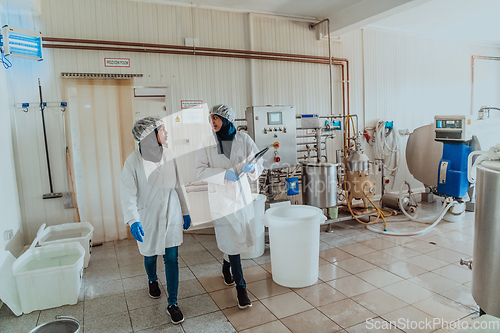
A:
x: 222, y: 161
x: 154, y: 206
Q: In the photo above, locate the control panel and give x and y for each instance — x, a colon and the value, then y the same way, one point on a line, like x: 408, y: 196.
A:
x: 274, y: 127
x: 453, y: 128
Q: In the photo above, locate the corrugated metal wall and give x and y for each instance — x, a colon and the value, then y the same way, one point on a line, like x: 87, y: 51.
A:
x: 398, y: 77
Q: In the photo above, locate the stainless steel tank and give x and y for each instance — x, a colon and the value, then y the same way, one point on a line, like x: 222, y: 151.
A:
x: 319, y: 184
x: 357, y: 162
x: 486, y: 257
x: 359, y: 185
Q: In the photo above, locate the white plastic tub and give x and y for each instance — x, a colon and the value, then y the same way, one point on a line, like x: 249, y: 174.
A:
x: 81, y: 232
x: 259, y: 206
x: 49, y: 276
x: 294, y: 240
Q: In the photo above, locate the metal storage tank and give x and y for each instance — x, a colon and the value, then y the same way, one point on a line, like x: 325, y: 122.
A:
x: 486, y: 256
x: 319, y: 184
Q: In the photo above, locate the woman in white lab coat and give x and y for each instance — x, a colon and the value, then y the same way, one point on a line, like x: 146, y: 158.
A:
x: 222, y: 161
x: 154, y: 206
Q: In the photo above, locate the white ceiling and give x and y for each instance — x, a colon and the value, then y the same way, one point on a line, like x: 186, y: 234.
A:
x: 466, y: 20
x: 302, y: 8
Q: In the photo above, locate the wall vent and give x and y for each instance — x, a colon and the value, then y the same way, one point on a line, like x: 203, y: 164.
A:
x: 99, y: 76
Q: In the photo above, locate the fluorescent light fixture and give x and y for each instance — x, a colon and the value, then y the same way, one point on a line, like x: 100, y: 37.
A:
x: 18, y: 42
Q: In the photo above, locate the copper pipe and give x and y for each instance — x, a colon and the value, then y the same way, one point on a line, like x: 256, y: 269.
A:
x: 209, y: 52
x: 343, y: 99
x: 110, y: 42
x: 187, y: 48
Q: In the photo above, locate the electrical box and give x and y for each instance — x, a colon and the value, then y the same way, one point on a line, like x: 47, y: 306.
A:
x: 18, y: 42
x: 309, y: 121
x: 453, y: 128
x: 274, y: 127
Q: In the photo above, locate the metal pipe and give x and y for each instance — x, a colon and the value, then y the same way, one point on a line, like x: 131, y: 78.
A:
x: 467, y: 263
x: 312, y: 135
x: 214, y: 52
x: 333, y: 116
x: 206, y: 54
x: 304, y: 157
x: 318, y: 143
x: 175, y: 48
x: 308, y: 143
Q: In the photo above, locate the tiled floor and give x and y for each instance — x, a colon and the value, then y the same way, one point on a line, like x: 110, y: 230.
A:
x: 362, y: 276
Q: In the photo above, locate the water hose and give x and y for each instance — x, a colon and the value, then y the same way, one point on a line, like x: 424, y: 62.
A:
x: 419, y: 232
x: 380, y: 213
x: 436, y: 219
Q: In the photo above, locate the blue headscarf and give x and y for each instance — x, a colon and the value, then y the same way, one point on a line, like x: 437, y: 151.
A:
x: 225, y: 137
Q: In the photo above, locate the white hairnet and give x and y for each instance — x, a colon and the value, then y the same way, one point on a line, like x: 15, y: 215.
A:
x: 144, y: 126
x: 224, y: 111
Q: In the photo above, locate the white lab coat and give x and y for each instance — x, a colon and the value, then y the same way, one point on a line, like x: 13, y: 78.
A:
x: 153, y: 194
x: 230, y: 202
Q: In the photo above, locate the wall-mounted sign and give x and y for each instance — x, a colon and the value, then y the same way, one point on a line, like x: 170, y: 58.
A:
x: 191, y: 104
x: 192, y: 111
x: 116, y: 62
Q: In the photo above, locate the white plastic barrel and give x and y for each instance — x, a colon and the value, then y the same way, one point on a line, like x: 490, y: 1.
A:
x: 259, y: 206
x: 294, y: 241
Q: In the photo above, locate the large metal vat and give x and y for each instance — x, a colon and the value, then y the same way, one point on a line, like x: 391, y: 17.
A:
x: 486, y: 262
x: 319, y: 184
x: 359, y: 185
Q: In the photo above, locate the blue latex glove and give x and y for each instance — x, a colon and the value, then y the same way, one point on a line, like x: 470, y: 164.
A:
x: 187, y: 221
x: 231, y: 176
x: 137, y: 231
x: 249, y: 167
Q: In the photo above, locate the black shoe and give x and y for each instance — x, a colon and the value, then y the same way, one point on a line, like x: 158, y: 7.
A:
x: 154, y: 290
x: 243, y: 300
x: 175, y: 314
x: 226, y: 274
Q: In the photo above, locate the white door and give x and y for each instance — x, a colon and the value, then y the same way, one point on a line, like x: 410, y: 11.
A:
x: 100, y: 122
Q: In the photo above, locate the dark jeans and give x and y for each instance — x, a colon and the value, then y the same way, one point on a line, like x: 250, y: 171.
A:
x: 236, y: 270
x: 171, y: 272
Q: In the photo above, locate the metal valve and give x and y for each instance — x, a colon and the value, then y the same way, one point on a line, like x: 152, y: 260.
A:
x: 467, y: 263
